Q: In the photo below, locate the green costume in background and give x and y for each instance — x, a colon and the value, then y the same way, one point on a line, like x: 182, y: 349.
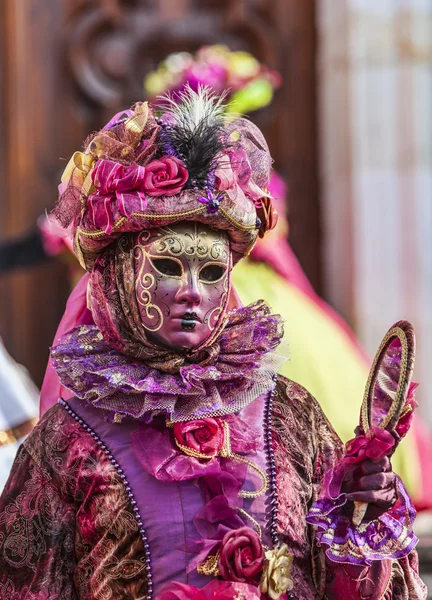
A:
x: 322, y: 357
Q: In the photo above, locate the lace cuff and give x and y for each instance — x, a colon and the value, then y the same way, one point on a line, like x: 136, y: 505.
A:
x: 390, y: 536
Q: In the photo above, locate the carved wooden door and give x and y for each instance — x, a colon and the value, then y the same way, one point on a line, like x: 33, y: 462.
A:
x: 68, y: 65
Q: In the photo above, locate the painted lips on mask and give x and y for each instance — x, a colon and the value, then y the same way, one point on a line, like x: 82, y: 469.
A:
x: 189, y: 321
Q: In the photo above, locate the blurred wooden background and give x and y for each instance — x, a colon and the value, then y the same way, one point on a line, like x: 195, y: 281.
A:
x: 67, y: 65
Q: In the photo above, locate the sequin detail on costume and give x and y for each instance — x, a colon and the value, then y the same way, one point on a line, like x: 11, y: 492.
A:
x: 235, y: 370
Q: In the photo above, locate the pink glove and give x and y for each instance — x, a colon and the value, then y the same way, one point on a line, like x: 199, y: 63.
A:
x: 367, y: 474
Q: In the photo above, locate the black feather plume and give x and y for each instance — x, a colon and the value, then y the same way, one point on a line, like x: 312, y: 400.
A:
x: 194, y: 133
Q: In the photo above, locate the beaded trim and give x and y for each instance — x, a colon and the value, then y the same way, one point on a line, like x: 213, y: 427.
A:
x: 271, y: 468
x: 120, y: 471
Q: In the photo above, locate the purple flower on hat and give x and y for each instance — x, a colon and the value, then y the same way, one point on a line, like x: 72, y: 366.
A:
x: 211, y: 200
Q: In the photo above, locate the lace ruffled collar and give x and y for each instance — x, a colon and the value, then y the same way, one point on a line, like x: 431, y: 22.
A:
x: 238, y: 369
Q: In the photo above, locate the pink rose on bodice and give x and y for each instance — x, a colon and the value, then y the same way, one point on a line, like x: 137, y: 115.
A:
x: 165, y: 176
x: 241, y: 555
x: 203, y: 436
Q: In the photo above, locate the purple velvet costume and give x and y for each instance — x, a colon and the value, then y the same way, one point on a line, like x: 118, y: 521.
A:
x: 80, y: 519
x: 115, y: 495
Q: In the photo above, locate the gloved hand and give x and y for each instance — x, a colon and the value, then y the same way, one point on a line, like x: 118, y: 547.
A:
x: 372, y: 481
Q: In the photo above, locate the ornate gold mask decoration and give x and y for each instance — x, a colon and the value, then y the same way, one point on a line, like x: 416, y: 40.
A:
x: 183, y: 275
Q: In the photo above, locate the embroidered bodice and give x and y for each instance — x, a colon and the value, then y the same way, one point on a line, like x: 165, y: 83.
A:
x: 80, y: 518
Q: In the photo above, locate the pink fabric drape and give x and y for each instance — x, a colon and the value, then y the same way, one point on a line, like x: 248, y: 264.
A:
x: 76, y: 313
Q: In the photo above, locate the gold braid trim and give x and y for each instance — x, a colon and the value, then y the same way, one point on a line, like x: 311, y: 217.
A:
x: 399, y: 398
x: 210, y: 565
x: 195, y: 453
x: 226, y: 452
x: 150, y: 216
x: 235, y: 222
x: 248, y: 516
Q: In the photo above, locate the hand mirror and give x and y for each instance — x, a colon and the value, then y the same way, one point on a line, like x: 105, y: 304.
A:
x: 384, y: 400
x: 389, y: 378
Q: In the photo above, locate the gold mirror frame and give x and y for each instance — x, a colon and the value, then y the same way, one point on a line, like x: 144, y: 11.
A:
x: 404, y: 332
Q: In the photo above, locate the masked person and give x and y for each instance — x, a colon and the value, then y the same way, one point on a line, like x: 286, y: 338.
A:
x: 325, y: 356
x: 182, y: 466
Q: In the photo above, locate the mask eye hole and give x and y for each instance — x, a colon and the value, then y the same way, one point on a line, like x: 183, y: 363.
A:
x: 167, y: 266
x: 212, y: 273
